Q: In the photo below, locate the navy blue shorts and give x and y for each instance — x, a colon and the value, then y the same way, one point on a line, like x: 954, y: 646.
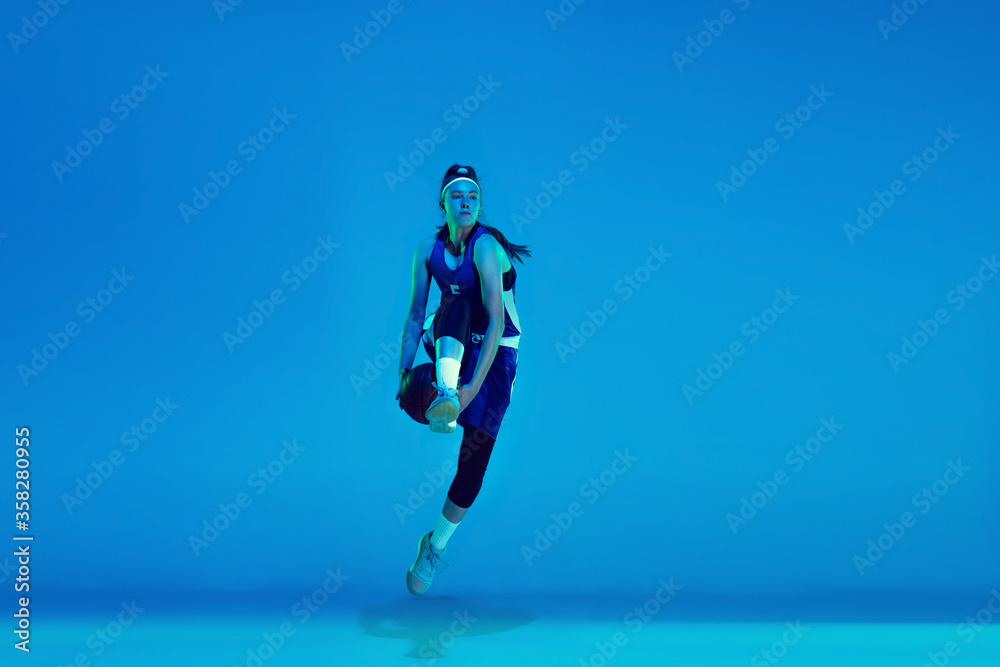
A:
x: 487, y: 409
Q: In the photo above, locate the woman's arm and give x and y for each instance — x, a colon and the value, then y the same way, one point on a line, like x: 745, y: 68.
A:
x: 413, y: 325
x: 487, y: 258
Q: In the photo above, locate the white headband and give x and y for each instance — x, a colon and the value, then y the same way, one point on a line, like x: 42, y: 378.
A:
x: 460, y: 178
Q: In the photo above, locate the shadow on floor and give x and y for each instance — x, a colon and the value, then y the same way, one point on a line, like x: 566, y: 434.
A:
x: 435, y: 623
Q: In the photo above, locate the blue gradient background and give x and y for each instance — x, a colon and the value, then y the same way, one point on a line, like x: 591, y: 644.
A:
x: 335, y: 506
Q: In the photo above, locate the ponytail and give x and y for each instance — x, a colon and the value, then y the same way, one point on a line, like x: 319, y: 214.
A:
x: 514, y: 250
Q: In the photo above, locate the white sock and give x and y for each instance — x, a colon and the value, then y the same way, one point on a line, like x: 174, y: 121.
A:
x: 447, y: 372
x: 442, y: 531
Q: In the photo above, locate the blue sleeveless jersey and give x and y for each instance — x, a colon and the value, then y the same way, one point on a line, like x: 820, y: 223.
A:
x: 465, y: 282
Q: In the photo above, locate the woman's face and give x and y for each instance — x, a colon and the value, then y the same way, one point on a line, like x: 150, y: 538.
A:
x: 461, y: 205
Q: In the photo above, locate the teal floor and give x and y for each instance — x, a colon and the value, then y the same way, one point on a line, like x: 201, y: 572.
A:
x: 398, y: 630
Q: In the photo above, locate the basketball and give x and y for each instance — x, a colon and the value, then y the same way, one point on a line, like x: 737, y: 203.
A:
x: 417, y: 394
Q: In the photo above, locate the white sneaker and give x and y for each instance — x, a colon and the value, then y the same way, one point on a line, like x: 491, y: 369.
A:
x: 443, y: 412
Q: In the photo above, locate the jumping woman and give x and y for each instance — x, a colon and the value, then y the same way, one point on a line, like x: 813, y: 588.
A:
x: 472, y: 337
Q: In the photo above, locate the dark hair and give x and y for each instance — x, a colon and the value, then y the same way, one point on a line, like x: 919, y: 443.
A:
x: 514, y: 250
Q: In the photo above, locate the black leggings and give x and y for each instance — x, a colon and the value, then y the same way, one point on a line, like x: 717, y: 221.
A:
x: 473, y: 457
x: 453, y: 320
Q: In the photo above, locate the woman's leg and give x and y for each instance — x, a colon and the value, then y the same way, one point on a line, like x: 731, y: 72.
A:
x: 451, y: 338
x: 453, y: 512
x: 474, y: 456
x: 477, y: 446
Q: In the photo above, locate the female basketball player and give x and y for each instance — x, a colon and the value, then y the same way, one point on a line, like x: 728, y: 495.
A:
x: 472, y: 337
